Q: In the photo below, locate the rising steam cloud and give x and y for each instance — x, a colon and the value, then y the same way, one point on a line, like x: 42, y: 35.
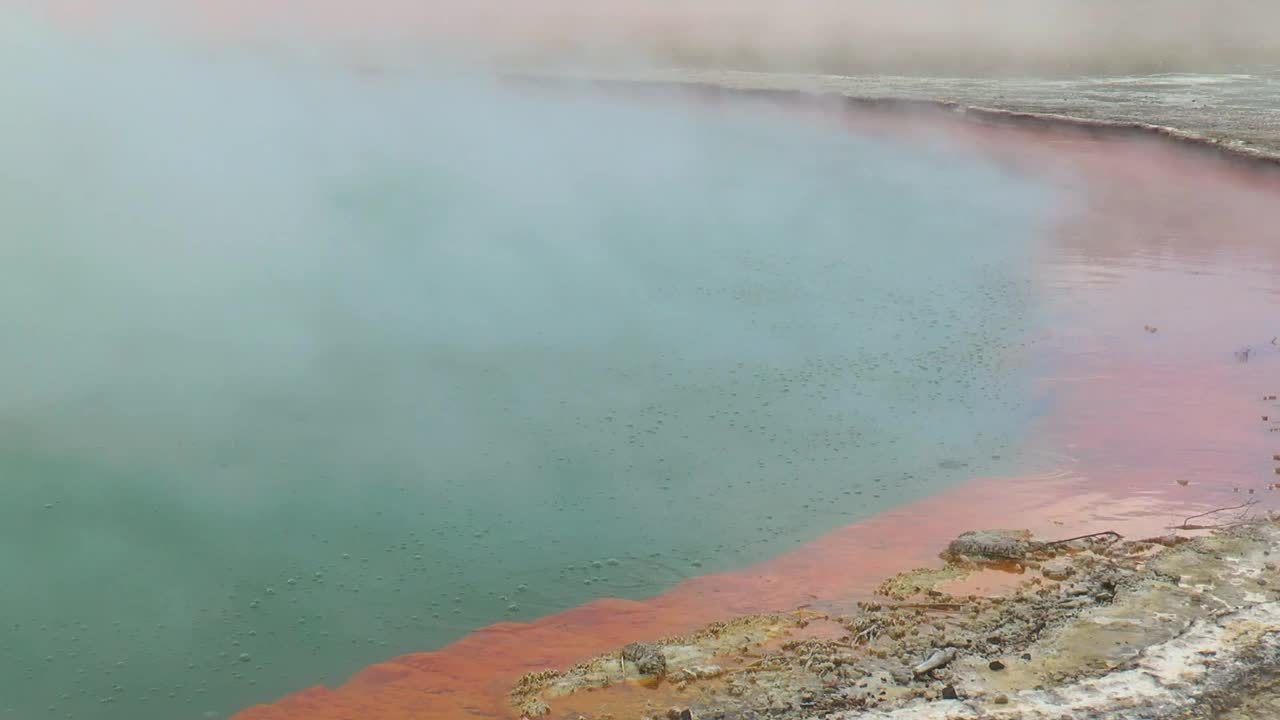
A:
x: 834, y: 36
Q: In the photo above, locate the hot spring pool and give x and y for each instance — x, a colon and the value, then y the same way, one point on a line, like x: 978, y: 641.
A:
x: 308, y: 368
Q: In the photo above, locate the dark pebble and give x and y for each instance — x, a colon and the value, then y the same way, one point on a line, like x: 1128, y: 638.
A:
x: 949, y: 693
x: 1026, y: 656
x: 996, y: 665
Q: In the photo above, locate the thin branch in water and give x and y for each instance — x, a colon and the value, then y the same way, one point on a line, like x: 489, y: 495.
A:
x: 1186, y: 524
x: 1105, y: 533
x: 1218, y: 526
x: 1166, y: 540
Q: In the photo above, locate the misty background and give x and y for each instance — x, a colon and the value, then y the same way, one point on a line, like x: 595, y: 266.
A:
x: 932, y: 37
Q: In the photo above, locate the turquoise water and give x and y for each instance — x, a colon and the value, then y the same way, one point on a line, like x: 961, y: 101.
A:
x: 306, y: 368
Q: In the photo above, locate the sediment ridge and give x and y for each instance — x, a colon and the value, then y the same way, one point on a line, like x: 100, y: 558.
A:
x: 1234, y: 115
x: 1099, y: 626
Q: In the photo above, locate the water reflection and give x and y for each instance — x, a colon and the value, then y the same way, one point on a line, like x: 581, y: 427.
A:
x: 1157, y: 292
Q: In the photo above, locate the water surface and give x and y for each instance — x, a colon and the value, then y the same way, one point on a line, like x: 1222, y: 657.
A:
x: 309, y: 368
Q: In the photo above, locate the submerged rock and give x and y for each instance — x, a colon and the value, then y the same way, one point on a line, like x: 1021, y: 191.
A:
x: 697, y: 672
x: 991, y: 545
x: 534, y: 708
x: 937, y: 659
x: 647, y: 657
x: 1060, y: 569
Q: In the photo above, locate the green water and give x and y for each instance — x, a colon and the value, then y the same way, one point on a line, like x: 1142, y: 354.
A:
x: 304, y: 369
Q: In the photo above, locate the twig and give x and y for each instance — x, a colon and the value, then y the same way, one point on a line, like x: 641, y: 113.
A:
x: 939, y: 658
x: 1186, y: 524
x: 1111, y: 533
x: 868, y: 634
x: 1166, y: 540
x: 1217, y: 526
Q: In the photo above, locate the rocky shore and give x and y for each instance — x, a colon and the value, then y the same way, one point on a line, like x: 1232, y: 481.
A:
x: 1238, y: 111
x: 1101, y: 626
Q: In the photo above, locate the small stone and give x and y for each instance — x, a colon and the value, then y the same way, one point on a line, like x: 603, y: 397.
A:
x: 992, y: 544
x: 1026, y: 656
x: 676, y: 713
x: 949, y: 692
x: 1058, y: 569
x: 647, y: 657
x: 1000, y: 699
x: 534, y: 708
x: 1262, y: 581
x: 996, y: 665
x: 937, y: 659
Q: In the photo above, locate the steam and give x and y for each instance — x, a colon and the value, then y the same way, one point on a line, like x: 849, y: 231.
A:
x: 307, y: 365
x: 946, y: 37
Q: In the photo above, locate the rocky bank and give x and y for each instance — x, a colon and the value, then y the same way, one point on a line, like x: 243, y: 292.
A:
x: 1094, y: 627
